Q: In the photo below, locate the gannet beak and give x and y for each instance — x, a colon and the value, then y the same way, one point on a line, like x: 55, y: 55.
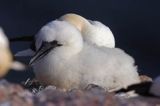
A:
x: 45, y: 48
x: 22, y: 38
x: 27, y: 52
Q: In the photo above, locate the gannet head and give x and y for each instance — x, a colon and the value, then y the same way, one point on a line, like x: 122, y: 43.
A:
x: 92, y: 31
x: 58, y: 37
x: 75, y: 20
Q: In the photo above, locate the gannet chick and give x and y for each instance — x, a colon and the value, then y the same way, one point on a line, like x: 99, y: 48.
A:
x: 6, y: 60
x: 64, y: 60
x: 92, y: 31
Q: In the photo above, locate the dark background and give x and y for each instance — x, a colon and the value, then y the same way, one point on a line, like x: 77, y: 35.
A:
x: 134, y: 23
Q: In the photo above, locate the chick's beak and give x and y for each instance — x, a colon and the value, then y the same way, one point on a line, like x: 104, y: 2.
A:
x: 45, y: 48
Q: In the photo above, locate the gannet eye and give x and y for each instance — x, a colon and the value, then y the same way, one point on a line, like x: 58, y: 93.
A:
x: 50, y: 44
x: 55, y: 43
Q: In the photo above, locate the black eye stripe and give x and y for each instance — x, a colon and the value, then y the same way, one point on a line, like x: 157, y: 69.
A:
x: 55, y: 43
x: 51, y: 43
x: 44, y: 49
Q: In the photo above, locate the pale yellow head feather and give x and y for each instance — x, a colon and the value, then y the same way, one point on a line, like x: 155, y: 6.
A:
x: 76, y: 20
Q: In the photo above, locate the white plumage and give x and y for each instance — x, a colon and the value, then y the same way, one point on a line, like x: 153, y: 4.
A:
x: 92, y: 31
x: 3, y: 39
x: 74, y: 63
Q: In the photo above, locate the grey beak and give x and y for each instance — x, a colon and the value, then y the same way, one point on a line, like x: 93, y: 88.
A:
x: 45, y: 48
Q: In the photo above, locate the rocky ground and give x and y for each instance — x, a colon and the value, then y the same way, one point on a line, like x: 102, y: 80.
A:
x: 34, y: 94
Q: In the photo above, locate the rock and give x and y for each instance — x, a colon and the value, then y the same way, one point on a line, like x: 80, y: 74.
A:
x: 93, y: 95
x: 14, y: 95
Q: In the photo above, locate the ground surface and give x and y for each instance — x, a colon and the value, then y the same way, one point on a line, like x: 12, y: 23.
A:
x: 36, y: 95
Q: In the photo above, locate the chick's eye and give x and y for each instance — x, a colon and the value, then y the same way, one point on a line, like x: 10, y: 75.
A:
x: 55, y: 43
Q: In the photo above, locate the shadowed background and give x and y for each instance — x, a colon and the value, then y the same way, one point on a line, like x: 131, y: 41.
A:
x: 134, y: 23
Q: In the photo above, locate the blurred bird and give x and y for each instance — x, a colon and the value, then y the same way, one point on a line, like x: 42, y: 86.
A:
x: 63, y: 59
x: 92, y: 31
x: 6, y: 59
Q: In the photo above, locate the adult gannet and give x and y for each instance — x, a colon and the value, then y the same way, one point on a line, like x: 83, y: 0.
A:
x: 6, y: 60
x: 63, y: 59
x: 92, y: 31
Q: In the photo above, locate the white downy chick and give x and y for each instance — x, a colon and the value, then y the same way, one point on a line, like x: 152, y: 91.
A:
x: 92, y: 31
x: 64, y: 60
